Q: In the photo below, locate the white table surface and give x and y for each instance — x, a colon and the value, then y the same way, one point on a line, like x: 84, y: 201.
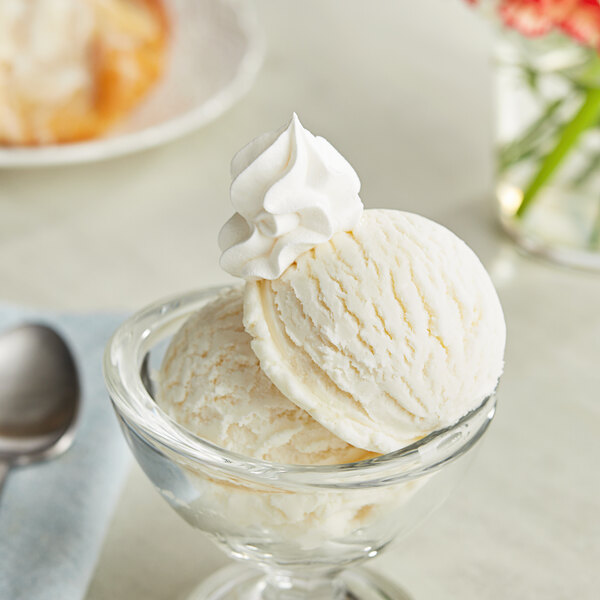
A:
x: 403, y: 90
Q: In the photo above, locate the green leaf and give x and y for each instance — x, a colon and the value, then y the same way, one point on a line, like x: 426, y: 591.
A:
x: 586, y: 117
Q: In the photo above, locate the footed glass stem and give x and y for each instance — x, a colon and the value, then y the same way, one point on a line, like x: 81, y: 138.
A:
x: 281, y: 585
x: 240, y: 582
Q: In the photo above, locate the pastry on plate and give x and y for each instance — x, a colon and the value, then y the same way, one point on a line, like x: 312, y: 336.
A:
x: 70, y: 68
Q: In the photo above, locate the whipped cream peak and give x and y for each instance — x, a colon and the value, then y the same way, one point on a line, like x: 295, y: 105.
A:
x: 291, y: 191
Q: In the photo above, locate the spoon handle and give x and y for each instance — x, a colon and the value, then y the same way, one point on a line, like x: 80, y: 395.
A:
x: 4, y: 469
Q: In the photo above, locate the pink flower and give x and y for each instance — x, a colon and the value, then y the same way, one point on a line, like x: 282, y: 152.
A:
x: 580, y: 19
x: 530, y: 17
x: 583, y: 23
x: 559, y: 9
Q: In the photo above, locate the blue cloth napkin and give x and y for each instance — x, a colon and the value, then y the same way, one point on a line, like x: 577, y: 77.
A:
x: 53, y: 515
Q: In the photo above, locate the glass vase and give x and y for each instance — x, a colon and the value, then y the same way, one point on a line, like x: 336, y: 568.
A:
x: 548, y: 146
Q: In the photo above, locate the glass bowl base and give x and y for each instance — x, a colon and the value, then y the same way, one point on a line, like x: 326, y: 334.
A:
x: 240, y: 582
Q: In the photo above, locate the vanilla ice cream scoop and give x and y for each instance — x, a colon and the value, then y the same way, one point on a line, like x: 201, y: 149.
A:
x: 211, y: 383
x: 383, y: 334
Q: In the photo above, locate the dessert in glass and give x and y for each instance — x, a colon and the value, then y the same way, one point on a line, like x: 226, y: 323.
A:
x: 70, y: 68
x: 313, y: 414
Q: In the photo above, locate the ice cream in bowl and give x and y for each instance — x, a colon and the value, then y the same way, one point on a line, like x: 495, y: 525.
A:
x: 319, y: 410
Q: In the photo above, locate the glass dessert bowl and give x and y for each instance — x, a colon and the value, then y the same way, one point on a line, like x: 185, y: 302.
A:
x: 296, y: 528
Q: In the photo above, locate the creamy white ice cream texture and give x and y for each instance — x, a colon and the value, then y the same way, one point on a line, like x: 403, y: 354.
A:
x: 384, y: 334
x: 211, y: 383
x: 310, y: 520
x: 355, y: 329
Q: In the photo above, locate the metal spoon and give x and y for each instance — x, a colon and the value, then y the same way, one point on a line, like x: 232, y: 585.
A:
x: 39, y: 396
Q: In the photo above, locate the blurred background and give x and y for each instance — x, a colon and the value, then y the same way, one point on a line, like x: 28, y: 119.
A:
x: 404, y: 91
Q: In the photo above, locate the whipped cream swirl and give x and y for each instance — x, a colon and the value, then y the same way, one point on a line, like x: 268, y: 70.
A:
x: 292, y: 191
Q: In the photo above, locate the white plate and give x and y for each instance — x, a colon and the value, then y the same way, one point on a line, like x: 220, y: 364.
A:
x: 215, y: 53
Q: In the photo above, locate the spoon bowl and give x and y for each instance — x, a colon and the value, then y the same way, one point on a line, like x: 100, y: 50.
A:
x: 39, y: 396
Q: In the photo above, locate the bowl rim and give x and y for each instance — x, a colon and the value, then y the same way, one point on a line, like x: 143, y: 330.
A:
x: 123, y: 362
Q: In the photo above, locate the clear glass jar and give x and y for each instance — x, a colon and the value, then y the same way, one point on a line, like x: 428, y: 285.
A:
x: 298, y: 527
x: 548, y: 145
